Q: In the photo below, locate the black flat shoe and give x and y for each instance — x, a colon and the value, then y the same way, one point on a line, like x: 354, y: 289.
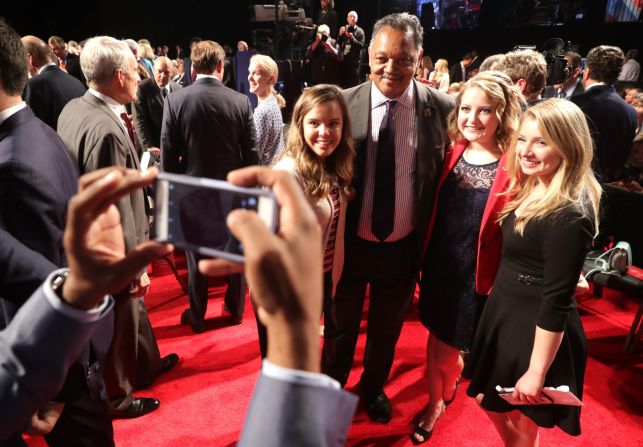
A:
x: 140, y: 406
x: 168, y: 362
x: 419, y: 431
x: 186, y: 318
x: 378, y: 408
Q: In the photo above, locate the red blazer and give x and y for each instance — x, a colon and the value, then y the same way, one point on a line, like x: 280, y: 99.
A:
x: 490, y: 237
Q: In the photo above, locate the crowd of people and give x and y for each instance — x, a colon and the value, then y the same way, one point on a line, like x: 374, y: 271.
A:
x: 476, y: 182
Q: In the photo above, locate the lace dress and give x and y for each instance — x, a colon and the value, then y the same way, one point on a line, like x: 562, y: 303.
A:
x: 449, y: 305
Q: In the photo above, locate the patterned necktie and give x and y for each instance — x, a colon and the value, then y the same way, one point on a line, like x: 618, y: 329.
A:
x: 163, y: 92
x: 382, y: 218
x: 130, y: 129
x: 561, y: 94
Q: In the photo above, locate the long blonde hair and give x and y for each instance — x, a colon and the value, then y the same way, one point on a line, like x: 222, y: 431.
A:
x: 269, y: 67
x: 504, y: 96
x: 317, y: 176
x: 563, y: 126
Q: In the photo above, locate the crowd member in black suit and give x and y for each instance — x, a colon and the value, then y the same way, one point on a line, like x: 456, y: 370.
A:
x: 189, y: 73
x: 147, y: 112
x: 67, y: 61
x: 208, y: 131
x: 611, y: 120
x: 37, y: 178
x: 572, y: 85
x: 527, y: 70
x: 351, y: 41
x: 328, y: 16
x: 459, y: 71
x: 399, y: 131
x: 49, y: 88
x: 99, y: 133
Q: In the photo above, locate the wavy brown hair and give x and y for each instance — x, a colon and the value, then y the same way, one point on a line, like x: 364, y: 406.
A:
x: 317, y: 176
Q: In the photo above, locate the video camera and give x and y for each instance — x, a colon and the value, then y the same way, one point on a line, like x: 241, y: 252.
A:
x: 554, y: 51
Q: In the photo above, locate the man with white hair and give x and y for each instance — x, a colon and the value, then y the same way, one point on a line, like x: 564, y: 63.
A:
x: 99, y: 133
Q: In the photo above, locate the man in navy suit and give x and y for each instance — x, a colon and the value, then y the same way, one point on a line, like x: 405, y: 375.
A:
x: 189, y: 75
x: 37, y: 178
x: 611, y: 120
x: 208, y: 131
x: 67, y: 61
x: 49, y: 88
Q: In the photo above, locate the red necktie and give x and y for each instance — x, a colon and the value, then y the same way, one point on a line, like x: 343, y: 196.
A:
x: 130, y: 129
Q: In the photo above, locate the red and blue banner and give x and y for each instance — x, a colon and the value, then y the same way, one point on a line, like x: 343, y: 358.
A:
x: 623, y: 10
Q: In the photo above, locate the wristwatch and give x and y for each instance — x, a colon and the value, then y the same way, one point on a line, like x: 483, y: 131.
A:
x: 57, y: 283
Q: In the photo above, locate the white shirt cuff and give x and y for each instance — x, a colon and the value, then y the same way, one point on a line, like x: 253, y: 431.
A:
x: 84, y: 316
x: 297, y: 376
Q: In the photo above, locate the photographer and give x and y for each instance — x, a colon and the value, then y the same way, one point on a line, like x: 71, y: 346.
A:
x: 350, y: 41
x: 323, y: 58
x: 572, y: 85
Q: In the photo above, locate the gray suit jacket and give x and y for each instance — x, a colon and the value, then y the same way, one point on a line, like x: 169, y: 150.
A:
x: 36, y: 349
x: 96, y: 139
x: 432, y: 109
x: 284, y: 414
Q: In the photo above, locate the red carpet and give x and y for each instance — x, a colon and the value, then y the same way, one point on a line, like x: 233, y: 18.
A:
x: 203, y: 400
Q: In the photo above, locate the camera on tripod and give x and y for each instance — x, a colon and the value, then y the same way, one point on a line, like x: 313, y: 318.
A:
x: 554, y: 51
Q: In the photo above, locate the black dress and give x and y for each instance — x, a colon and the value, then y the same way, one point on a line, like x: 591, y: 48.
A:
x: 449, y: 305
x: 534, y: 286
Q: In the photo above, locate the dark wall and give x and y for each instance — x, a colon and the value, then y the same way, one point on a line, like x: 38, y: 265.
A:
x: 229, y: 21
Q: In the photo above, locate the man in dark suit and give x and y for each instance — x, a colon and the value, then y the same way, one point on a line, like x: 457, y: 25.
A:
x: 572, y: 85
x: 611, y: 120
x: 38, y: 177
x: 99, y: 133
x: 147, y: 112
x: 399, y: 131
x: 49, y: 88
x: 207, y: 132
x: 67, y: 61
x: 458, y: 72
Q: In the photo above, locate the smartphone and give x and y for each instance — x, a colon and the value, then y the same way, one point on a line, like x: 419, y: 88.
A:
x: 191, y: 212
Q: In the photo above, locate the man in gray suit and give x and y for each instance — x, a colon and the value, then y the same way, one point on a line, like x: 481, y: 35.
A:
x: 147, y: 112
x: 399, y: 131
x: 99, y: 133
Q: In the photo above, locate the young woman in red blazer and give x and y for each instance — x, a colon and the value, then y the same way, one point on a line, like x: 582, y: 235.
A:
x: 464, y: 242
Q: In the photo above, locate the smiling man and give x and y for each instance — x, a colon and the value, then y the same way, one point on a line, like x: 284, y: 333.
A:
x: 399, y: 131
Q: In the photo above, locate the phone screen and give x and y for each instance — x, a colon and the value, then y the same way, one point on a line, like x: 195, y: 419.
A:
x: 195, y: 215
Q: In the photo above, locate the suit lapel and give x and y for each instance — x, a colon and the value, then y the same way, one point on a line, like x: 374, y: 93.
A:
x: 99, y: 104
x: 425, y: 113
x: 360, y: 113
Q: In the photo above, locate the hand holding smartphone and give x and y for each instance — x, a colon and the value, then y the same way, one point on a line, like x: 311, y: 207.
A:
x: 191, y: 213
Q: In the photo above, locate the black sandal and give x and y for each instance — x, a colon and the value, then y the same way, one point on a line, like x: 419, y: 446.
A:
x: 426, y: 435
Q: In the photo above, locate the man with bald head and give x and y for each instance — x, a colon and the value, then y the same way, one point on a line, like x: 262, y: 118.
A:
x: 49, y: 88
x: 148, y: 108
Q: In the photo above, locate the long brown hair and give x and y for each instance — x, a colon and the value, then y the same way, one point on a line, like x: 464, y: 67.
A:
x: 320, y: 176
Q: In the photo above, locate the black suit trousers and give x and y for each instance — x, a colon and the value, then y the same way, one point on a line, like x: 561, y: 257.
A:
x: 391, y: 271
x: 235, y: 296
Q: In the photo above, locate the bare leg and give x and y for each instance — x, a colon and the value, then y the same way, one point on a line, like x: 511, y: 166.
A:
x: 501, y: 422
x: 526, y: 432
x: 440, y: 361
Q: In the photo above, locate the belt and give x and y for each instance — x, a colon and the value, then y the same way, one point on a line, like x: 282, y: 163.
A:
x: 528, y: 279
